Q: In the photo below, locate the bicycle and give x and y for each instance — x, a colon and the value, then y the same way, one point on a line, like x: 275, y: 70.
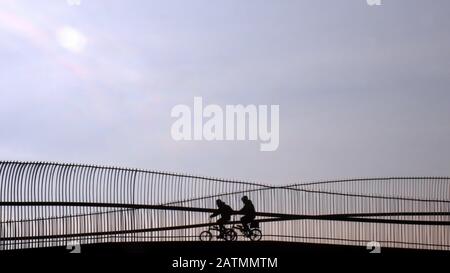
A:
x: 206, y: 235
x: 254, y: 233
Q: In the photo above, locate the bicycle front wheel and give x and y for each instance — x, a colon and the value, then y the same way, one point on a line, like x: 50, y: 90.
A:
x: 255, y: 235
x: 230, y: 235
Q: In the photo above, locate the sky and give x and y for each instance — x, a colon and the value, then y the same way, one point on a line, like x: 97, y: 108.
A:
x: 363, y: 90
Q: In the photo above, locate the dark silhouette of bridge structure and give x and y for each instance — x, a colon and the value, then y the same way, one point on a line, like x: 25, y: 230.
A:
x: 53, y: 204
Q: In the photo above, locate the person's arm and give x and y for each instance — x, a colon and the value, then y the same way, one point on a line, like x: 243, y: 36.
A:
x: 243, y: 210
x: 215, y: 214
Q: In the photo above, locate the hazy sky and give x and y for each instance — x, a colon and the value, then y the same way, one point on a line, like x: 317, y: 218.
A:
x: 363, y: 90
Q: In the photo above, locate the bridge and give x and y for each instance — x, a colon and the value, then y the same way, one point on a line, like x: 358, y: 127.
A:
x: 52, y: 204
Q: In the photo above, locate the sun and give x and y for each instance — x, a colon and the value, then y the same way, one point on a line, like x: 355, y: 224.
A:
x: 71, y: 39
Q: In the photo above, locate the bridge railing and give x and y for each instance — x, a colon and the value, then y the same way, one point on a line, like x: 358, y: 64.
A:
x: 50, y: 204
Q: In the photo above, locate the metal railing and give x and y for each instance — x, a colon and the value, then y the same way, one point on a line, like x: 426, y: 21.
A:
x: 51, y: 204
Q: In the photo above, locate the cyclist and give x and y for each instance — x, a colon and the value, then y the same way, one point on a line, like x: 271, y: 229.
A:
x: 225, y: 212
x: 249, y: 213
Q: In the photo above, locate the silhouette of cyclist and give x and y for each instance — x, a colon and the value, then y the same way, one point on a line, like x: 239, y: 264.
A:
x: 225, y: 212
x: 249, y: 213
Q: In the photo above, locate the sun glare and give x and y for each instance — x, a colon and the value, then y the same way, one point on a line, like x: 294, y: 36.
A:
x: 71, y: 39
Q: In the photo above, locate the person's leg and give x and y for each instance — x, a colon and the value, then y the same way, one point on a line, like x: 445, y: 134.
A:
x: 245, y: 221
x: 251, y: 220
x: 221, y: 223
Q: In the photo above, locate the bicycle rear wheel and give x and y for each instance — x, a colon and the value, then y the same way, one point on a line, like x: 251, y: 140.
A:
x: 205, y: 236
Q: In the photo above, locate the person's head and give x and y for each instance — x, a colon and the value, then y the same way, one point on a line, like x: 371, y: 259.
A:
x: 244, y: 198
x: 219, y: 202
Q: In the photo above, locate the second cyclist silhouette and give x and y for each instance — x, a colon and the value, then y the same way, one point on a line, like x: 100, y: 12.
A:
x: 225, y: 212
x: 248, y: 210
